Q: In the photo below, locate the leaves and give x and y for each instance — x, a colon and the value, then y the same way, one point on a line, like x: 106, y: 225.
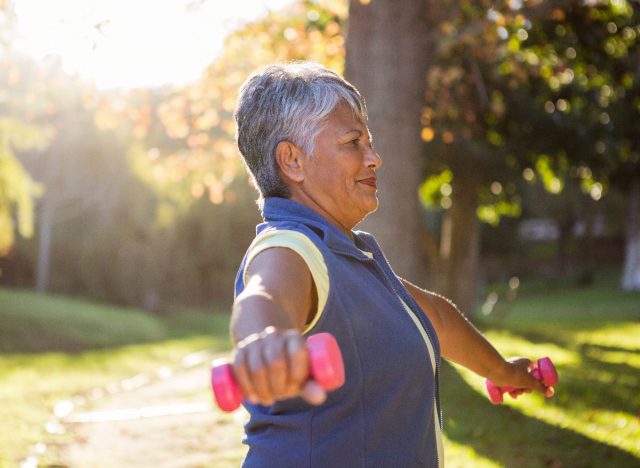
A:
x: 17, y: 188
x: 511, y: 83
x: 201, y: 158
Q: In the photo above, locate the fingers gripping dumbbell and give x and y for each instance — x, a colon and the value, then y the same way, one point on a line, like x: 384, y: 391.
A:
x: 325, y: 367
x: 543, y: 371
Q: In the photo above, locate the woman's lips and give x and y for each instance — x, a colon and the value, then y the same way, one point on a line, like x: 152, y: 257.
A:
x: 371, y: 181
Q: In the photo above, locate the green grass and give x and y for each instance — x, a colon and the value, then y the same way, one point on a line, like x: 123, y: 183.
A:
x: 56, y: 347
x: 592, y: 335
x: 36, y: 323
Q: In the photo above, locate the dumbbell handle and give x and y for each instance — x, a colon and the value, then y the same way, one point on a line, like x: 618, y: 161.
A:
x: 325, y: 367
x: 543, y: 370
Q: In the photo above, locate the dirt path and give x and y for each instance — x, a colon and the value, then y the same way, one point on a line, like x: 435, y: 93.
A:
x: 168, y: 423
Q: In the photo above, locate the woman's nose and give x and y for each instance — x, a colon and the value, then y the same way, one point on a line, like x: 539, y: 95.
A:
x: 373, y: 159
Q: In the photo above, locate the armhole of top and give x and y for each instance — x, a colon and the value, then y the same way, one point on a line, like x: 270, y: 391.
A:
x: 303, y: 246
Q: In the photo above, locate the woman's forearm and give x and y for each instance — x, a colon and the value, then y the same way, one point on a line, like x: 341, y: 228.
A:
x: 464, y: 344
x: 253, y: 312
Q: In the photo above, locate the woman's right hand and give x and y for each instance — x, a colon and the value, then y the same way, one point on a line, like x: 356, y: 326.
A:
x: 274, y: 365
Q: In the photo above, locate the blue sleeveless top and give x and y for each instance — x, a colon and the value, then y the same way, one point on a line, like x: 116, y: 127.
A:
x: 383, y: 416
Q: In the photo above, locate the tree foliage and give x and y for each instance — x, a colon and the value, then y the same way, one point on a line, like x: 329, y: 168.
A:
x: 152, y: 204
x: 547, y: 95
x: 17, y: 188
x: 199, y: 118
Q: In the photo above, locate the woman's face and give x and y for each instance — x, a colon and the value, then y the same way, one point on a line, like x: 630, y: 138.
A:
x: 339, y: 176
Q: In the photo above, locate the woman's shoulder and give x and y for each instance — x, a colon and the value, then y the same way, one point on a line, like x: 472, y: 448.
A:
x: 287, y: 230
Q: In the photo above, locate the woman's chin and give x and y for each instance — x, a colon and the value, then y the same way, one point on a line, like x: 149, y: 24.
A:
x: 370, y: 206
x: 374, y: 202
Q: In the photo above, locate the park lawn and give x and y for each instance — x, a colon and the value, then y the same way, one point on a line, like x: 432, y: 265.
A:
x: 592, y: 335
x: 95, y: 345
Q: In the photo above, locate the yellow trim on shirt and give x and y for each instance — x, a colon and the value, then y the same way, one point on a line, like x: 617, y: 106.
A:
x: 432, y: 357
x: 312, y: 256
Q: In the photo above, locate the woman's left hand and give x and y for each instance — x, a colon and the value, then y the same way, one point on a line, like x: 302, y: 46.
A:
x: 516, y: 372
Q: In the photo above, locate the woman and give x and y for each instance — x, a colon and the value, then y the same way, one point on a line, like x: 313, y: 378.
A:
x: 303, y: 135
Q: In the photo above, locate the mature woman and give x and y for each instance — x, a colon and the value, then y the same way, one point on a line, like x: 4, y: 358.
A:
x: 303, y: 134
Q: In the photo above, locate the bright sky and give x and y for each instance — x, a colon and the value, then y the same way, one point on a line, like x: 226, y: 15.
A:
x: 129, y: 43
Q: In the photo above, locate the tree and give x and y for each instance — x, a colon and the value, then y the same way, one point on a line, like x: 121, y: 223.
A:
x: 581, y: 65
x: 70, y: 170
x: 488, y: 81
x: 141, y: 189
x: 17, y: 188
x: 199, y: 118
x: 201, y: 152
x: 394, y: 71
x: 387, y: 51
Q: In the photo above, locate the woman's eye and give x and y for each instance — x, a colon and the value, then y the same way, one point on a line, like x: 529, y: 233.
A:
x: 355, y: 142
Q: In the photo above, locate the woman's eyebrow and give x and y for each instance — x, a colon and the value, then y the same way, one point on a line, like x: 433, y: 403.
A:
x: 353, y: 130
x: 359, y: 133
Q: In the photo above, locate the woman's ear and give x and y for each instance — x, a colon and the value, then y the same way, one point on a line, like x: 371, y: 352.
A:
x: 289, y: 160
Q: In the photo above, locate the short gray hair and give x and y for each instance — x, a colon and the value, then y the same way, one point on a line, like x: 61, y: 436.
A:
x: 287, y: 102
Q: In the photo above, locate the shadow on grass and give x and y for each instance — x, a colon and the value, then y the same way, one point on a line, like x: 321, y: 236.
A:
x: 594, y: 383
x: 616, y: 349
x: 512, y: 439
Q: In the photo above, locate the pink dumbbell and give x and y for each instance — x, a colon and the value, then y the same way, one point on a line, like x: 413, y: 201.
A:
x: 325, y: 366
x: 543, y: 371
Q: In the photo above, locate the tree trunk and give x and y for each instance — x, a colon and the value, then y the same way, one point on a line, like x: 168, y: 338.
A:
x: 565, y: 227
x: 460, y: 245
x: 44, y: 245
x: 386, y: 58
x: 631, y: 274
x: 587, y: 266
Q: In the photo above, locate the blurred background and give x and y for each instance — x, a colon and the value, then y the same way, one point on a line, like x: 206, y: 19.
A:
x: 510, y: 134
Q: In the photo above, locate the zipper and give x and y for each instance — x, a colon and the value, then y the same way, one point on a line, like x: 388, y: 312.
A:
x: 436, y: 395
